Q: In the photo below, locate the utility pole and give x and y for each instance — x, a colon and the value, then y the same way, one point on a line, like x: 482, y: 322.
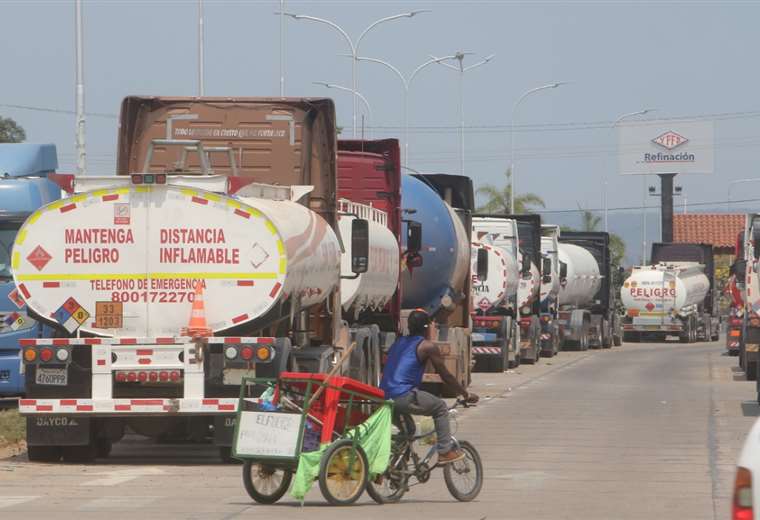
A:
x: 80, y: 141
x: 200, y: 48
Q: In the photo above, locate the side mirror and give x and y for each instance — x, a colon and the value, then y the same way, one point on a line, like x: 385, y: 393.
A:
x: 359, y: 246
x: 525, y: 267
x: 546, y: 267
x: 413, y: 237
x: 562, y: 270
x: 482, y: 265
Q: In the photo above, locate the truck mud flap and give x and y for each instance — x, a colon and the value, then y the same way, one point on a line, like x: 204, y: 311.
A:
x: 224, y: 429
x: 58, y: 430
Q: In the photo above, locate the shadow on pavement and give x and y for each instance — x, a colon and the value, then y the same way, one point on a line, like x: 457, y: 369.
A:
x: 750, y: 409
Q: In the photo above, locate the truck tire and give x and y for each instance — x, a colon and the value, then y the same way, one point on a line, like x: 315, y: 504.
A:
x: 80, y: 454
x: 751, y: 371
x: 43, y: 453
x: 606, y: 334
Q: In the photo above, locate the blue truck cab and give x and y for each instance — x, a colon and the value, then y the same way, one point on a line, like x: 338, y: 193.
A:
x: 24, y: 187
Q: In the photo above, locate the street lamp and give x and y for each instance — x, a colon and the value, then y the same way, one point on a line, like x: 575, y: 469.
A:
x: 346, y: 89
x: 462, y: 69
x: 353, y: 45
x: 737, y: 182
x: 614, y: 125
x: 407, y: 82
x: 512, y: 137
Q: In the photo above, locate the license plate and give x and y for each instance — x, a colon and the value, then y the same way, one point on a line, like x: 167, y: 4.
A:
x: 52, y: 376
x: 5, y: 375
x: 476, y: 336
x: 234, y: 376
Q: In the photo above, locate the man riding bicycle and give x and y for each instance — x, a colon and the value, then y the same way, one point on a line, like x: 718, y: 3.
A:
x: 403, y: 375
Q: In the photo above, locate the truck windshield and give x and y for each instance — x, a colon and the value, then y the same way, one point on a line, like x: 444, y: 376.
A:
x: 7, y: 236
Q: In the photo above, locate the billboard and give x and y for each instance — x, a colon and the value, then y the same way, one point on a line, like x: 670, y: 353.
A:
x: 652, y: 147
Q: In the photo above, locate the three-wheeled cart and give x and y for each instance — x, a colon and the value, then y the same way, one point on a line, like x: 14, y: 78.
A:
x: 301, y: 413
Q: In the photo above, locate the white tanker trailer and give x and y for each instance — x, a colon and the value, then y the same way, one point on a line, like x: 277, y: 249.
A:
x: 670, y: 297
x: 588, y: 314
x: 496, y: 332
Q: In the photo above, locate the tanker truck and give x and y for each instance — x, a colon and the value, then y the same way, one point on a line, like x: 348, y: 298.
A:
x: 588, y: 310
x: 494, y: 341
x: 24, y: 187
x: 517, y: 236
x: 749, y: 347
x: 551, y: 331
x: 290, y: 273
x: 672, y: 297
x: 438, y: 278
x: 735, y: 294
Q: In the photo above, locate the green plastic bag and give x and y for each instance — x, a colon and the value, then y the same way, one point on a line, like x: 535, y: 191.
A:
x: 373, y: 435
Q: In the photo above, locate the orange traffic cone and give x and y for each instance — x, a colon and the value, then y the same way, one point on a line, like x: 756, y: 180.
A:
x: 197, y: 328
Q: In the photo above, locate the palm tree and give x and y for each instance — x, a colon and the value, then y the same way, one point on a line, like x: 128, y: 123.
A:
x: 589, y: 221
x: 497, y: 199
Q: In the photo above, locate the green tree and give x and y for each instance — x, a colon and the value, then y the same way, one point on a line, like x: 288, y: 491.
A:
x: 498, y: 198
x: 11, y: 131
x: 589, y: 221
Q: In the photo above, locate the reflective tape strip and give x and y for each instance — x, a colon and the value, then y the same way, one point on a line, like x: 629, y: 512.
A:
x: 486, y: 350
x: 67, y: 208
x: 179, y: 340
x: 136, y: 406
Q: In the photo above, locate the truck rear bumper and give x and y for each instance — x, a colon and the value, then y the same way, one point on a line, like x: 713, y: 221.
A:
x: 632, y: 327
x: 127, y: 407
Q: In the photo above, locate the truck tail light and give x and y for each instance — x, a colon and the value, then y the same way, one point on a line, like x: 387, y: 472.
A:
x: 30, y: 355
x: 121, y: 377
x: 246, y: 353
x: 633, y: 313
x: 175, y: 375
x: 46, y: 354
x: 735, y: 333
x: 62, y: 354
x: 230, y: 352
x: 742, y: 503
x: 262, y: 353
x: 137, y: 178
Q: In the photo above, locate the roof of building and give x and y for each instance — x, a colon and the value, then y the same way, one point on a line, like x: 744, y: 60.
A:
x: 718, y: 229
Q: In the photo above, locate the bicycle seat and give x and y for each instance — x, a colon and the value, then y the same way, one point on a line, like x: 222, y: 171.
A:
x: 405, y: 423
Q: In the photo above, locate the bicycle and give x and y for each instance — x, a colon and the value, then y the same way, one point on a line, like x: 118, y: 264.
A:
x: 405, y: 463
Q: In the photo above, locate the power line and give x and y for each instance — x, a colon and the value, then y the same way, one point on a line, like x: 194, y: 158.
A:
x: 57, y: 110
x: 632, y: 208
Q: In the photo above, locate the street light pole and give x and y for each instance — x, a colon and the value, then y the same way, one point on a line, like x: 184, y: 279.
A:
x: 512, y: 137
x: 353, y: 46
x: 612, y: 128
x: 407, y: 83
x: 80, y: 137
x: 201, y: 59
x: 282, y: 48
x: 462, y: 69
x: 346, y: 89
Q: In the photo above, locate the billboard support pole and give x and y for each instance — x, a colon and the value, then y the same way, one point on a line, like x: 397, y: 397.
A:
x: 666, y: 206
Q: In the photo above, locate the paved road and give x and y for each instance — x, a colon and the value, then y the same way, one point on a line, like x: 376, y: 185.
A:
x: 636, y: 432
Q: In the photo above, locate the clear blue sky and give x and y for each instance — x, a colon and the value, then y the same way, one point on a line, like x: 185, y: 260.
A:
x: 684, y: 58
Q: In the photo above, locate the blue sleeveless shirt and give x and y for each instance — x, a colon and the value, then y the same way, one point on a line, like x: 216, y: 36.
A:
x: 403, y: 370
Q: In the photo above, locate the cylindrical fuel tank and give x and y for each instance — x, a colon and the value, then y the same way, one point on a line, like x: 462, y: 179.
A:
x: 501, y: 282
x: 665, y: 287
x: 146, y: 247
x: 549, y: 290
x: 582, y: 280
x: 374, y: 288
x: 440, y: 281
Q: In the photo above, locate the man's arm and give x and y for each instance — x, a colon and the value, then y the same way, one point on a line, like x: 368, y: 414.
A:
x: 430, y: 350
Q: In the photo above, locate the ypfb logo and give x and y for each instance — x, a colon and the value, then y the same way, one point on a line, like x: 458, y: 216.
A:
x: 670, y: 140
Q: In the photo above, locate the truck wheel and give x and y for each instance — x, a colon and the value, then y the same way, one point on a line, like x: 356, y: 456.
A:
x: 751, y: 371
x: 79, y: 454
x: 617, y: 340
x: 606, y: 336
x: 43, y: 453
x: 104, y: 447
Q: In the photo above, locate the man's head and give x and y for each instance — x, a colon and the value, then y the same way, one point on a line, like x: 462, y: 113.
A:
x: 419, y: 323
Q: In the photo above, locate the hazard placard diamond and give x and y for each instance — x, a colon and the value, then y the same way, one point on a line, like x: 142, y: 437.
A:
x: 39, y: 258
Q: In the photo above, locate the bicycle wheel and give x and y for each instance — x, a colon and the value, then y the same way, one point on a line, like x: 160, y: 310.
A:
x: 265, y: 484
x: 464, y: 478
x: 343, y: 473
x: 389, y: 487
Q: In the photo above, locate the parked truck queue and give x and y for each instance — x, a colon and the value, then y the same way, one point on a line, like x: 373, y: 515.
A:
x: 301, y: 252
